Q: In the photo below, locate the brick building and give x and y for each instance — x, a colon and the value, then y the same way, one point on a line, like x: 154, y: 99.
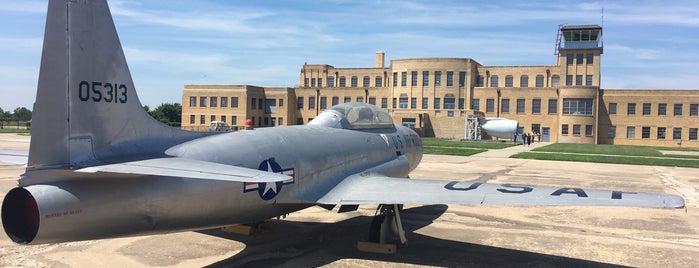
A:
x: 561, y: 102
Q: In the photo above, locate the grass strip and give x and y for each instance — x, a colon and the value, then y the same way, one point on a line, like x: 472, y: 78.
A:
x: 611, y: 159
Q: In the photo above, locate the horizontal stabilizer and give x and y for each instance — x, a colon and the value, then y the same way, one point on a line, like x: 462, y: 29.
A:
x: 188, y: 168
x: 378, y: 189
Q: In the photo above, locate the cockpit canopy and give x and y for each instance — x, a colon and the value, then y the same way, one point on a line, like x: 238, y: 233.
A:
x: 354, y: 115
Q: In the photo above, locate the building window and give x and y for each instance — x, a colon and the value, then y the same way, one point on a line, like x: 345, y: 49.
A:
x: 536, y: 106
x: 494, y: 81
x: 403, y: 79
x: 612, y: 108
x: 424, y: 103
x: 384, y: 103
x: 335, y: 100
x: 630, y: 132
x: 234, y: 120
x: 524, y: 81
x: 266, y: 121
x: 224, y: 102
x: 588, y: 80
x: 490, y: 105
x: 403, y: 103
x: 575, y: 106
x: 449, y: 103
x: 360, y: 99
x: 436, y: 103
x: 461, y: 103
x: 569, y: 80
x: 223, y: 118
x: 462, y: 79
x: 662, y: 108
x: 365, y: 81
x: 395, y: 79
x: 353, y: 81
x: 259, y: 103
x: 311, y: 103
x: 476, y: 104
x: 323, y: 103
x: 646, y: 109
x: 479, y: 81
x: 347, y: 99
x: 631, y: 109
x: 203, y: 101
x: 590, y: 59
x: 694, y: 109
x: 191, y: 119
x: 192, y: 101
x: 378, y: 81
x: 213, y: 118
x: 693, y: 134
x: 299, y: 103
x: 202, y: 119
x: 645, y: 132
x: 343, y: 81
x: 553, y: 106
x: 331, y: 81
x: 413, y: 103
x: 555, y: 80
x: 299, y: 121
x: 505, y: 106
x: 270, y: 106
x: 372, y: 100
x: 305, y: 82
x: 576, y: 130
x: 564, y: 129
x: 677, y: 133
x: 661, y: 133
x: 393, y: 104
x: 611, y: 132
x: 520, y: 106
x: 320, y: 82
x: 313, y: 82
x: 569, y: 59
x: 678, y: 109
x: 579, y: 58
x: 437, y: 78
x: 578, y: 80
x: 413, y: 78
x: 450, y: 78
x: 425, y: 78
x: 539, y: 81
x: 508, y: 81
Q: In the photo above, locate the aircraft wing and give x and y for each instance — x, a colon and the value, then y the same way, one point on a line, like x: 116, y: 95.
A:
x: 188, y: 168
x: 378, y: 189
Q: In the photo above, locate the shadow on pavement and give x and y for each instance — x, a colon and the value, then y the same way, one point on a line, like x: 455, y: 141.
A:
x: 306, y: 244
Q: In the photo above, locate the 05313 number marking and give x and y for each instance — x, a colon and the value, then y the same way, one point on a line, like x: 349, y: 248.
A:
x: 102, y: 92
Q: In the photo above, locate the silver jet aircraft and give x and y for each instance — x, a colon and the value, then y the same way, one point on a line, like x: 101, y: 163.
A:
x: 99, y: 166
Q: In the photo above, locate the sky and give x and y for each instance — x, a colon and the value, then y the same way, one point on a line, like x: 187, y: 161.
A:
x: 170, y: 43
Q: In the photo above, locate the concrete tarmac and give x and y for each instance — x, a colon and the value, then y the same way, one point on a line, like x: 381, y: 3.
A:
x: 439, y: 235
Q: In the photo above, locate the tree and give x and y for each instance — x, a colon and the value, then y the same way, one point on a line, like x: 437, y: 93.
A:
x: 22, y: 114
x: 168, y: 113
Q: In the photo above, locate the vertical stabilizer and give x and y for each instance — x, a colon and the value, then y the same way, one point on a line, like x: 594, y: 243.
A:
x: 86, y: 106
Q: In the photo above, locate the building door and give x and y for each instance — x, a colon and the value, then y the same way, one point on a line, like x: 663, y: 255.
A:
x: 545, y: 132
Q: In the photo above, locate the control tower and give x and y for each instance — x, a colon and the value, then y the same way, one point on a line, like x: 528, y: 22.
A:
x: 578, y: 54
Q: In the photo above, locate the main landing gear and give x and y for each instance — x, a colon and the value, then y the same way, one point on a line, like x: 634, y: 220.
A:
x: 385, y: 231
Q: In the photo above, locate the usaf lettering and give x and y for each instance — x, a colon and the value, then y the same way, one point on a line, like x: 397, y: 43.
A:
x: 520, y: 189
